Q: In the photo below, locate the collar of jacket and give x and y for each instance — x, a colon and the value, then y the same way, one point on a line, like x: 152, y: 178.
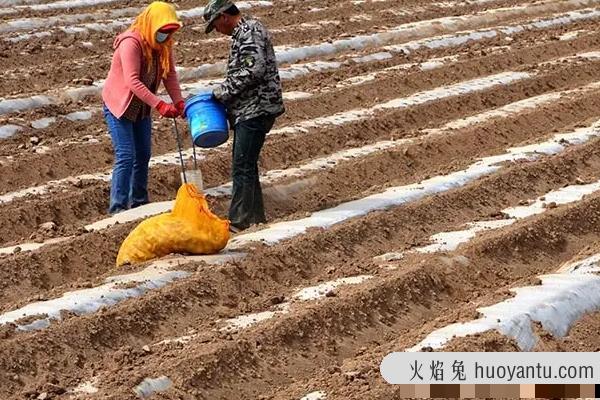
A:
x: 237, y: 28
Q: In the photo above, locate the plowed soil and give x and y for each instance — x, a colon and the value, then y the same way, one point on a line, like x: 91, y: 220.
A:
x: 391, y: 144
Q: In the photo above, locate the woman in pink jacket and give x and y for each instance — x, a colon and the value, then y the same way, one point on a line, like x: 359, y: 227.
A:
x: 142, y: 58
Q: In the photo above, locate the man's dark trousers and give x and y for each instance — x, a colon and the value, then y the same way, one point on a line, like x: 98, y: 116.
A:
x: 246, y: 199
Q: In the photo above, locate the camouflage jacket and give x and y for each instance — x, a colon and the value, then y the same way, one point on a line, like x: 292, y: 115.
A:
x: 252, y: 86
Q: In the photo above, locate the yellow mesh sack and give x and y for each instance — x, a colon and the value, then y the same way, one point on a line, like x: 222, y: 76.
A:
x: 189, y: 228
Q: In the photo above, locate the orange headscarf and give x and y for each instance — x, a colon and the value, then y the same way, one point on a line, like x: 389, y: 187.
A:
x: 153, y: 18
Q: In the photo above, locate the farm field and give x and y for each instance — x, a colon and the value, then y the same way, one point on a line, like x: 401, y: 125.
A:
x: 434, y: 185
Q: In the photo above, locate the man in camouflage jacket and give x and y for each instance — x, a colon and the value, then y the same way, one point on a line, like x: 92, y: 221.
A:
x: 253, y: 96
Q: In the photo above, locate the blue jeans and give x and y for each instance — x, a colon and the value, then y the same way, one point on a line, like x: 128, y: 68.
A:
x: 132, y: 147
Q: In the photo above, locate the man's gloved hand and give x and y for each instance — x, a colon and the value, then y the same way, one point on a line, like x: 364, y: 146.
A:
x: 167, y: 110
x: 180, y: 106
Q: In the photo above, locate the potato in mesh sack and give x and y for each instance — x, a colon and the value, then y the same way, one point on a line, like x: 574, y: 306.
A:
x: 189, y: 228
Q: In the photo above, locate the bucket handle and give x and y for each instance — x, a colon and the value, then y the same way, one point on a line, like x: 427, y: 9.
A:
x: 180, y: 153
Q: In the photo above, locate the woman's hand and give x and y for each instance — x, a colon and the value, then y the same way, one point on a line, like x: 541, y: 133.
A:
x: 167, y: 110
x: 180, y: 106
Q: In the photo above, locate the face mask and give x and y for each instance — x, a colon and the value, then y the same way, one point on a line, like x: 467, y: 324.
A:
x: 161, y: 37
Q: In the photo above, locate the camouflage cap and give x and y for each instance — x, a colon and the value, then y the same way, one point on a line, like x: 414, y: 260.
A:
x: 213, y: 9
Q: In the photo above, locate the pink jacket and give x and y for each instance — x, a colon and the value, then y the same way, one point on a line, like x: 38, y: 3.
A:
x: 123, y: 81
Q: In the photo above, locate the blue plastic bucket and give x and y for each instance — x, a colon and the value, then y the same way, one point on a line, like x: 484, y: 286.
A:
x: 207, y: 119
